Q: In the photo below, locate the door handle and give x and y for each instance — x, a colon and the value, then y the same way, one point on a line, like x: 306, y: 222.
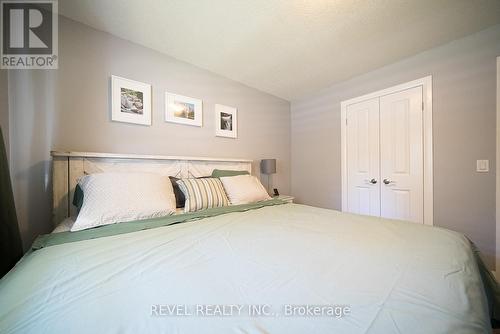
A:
x: 387, y: 181
x: 372, y: 181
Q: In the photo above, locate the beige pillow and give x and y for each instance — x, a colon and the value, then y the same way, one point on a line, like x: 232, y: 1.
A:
x: 202, y: 193
x: 243, y: 189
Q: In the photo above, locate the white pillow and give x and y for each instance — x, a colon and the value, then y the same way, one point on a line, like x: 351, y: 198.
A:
x: 110, y: 198
x: 243, y: 189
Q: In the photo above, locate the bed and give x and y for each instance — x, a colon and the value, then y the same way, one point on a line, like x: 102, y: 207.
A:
x: 266, y: 267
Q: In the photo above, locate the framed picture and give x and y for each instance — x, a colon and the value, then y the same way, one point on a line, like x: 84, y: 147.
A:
x: 226, y: 121
x: 130, y: 101
x: 183, y: 109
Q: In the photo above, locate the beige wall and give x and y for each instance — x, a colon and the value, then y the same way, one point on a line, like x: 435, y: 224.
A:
x: 68, y: 109
x: 464, y: 130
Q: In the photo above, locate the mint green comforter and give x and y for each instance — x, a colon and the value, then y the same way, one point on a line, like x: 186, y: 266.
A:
x: 386, y: 277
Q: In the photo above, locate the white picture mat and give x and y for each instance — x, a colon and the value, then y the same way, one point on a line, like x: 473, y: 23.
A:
x: 219, y: 108
x: 170, y: 98
x: 116, y: 114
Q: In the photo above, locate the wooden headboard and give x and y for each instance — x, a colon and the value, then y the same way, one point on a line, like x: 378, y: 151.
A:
x: 69, y: 166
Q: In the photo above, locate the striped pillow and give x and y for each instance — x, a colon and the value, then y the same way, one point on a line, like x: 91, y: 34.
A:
x: 203, y: 193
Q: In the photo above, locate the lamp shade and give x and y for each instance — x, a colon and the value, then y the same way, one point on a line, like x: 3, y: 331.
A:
x: 268, y: 166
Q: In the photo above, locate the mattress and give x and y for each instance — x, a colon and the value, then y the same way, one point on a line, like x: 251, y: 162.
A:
x: 278, y: 263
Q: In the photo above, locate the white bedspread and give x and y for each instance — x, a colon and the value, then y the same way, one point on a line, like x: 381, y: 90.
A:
x: 394, y: 277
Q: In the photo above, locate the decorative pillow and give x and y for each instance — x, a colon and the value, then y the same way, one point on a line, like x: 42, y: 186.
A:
x: 226, y: 172
x: 180, y: 199
x: 203, y: 193
x: 120, y: 197
x: 243, y: 189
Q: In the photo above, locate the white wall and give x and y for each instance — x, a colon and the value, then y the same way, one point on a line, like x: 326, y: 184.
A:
x: 498, y: 172
x: 464, y: 130
x: 68, y: 109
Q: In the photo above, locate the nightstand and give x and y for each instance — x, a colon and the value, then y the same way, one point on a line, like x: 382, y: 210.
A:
x: 285, y: 198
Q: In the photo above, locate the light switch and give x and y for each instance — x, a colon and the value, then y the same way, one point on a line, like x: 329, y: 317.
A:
x: 483, y: 166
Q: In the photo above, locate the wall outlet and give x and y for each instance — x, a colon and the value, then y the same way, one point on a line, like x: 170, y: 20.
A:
x: 483, y: 166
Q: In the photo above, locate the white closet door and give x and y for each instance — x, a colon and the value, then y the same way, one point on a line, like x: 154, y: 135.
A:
x: 401, y: 155
x: 363, y: 157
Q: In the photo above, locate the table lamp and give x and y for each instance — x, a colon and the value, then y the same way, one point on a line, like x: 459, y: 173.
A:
x: 268, y: 167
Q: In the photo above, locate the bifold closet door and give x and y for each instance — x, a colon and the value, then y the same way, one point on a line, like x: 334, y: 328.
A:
x: 362, y: 149
x: 401, y: 155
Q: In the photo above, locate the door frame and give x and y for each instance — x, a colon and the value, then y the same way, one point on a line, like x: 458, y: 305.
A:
x: 497, y: 206
x: 426, y: 83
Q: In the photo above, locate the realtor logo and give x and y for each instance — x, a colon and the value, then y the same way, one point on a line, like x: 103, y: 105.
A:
x: 29, y: 35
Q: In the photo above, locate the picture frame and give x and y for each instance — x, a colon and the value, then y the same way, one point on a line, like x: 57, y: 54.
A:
x: 183, y: 109
x: 226, y: 121
x: 130, y: 101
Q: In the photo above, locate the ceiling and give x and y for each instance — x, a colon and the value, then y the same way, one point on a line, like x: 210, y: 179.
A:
x: 288, y: 48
